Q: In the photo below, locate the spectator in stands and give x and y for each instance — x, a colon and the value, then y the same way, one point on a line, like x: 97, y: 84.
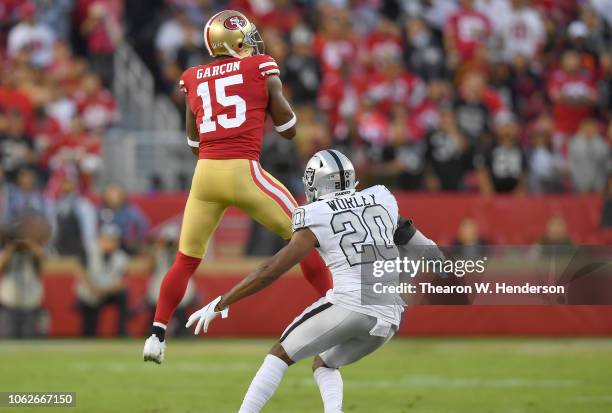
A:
x: 521, y: 31
x: 579, y: 42
x: 302, y: 74
x: 473, y: 115
x: 546, y: 166
x: 424, y: 55
x: 448, y: 152
x: 117, y: 210
x: 572, y: 92
x: 96, y: 105
x: 466, y: 31
x: 61, y: 106
x: 502, y: 167
x: 281, y: 15
x: 178, y: 45
x: 589, y: 155
x: 384, y: 41
x: 435, y: 13
x: 524, y: 86
x: 599, y: 32
x: 103, y: 282
x: 173, y: 34
x: 56, y: 15
x: 556, y: 233
x: 21, y: 290
x: 75, y: 221
x: 495, y: 10
x: 79, y: 151
x: 102, y: 31
x: 161, y: 257
x: 13, y: 98
x: 469, y: 242
x: 338, y: 99
x: 31, y: 38
x: 16, y: 146
x: 24, y: 198
x: 391, y: 84
x: 333, y: 44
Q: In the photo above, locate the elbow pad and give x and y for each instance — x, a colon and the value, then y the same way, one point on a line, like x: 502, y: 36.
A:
x: 404, y: 232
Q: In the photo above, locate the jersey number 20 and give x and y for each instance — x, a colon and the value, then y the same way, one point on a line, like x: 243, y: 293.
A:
x: 376, y: 222
x: 208, y: 124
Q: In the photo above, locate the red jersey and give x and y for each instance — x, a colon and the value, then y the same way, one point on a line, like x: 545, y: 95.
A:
x: 229, y: 98
x: 564, y: 86
x: 470, y: 29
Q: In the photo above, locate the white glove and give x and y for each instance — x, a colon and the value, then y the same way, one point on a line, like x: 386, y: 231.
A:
x: 205, y: 315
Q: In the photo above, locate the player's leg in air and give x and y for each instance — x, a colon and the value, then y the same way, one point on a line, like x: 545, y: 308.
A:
x: 202, y: 214
x: 336, y: 337
x: 268, y: 202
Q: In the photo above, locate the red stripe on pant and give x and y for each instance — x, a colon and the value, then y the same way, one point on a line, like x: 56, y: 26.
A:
x: 269, y: 193
x: 277, y: 186
x: 314, y: 269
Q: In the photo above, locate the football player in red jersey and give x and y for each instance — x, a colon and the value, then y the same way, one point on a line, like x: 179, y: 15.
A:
x: 227, y: 104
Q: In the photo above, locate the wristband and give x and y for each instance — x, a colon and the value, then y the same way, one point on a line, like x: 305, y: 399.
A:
x: 288, y: 125
x: 192, y: 143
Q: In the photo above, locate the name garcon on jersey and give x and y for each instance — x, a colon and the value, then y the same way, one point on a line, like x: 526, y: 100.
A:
x: 229, y: 99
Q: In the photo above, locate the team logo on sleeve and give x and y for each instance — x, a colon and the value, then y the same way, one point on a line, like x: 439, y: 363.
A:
x: 309, y: 176
x: 234, y: 22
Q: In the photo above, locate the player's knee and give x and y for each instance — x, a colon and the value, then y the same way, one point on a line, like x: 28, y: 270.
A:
x: 280, y: 352
x: 318, y: 362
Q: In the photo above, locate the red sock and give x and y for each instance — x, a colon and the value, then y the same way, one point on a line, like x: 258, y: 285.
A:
x: 316, y: 273
x: 174, y: 285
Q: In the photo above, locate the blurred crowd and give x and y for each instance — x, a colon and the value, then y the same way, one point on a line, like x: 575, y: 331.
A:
x: 55, y: 71
x: 495, y: 96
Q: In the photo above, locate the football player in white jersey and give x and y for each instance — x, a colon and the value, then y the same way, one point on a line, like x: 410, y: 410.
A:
x: 344, y: 225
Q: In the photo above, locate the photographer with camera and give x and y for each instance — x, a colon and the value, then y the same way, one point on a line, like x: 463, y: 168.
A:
x: 21, y: 289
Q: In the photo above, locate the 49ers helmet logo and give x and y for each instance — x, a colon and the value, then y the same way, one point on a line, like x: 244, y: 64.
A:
x: 234, y: 22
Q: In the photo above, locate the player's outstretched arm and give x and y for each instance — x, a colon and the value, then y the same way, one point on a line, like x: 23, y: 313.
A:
x: 280, y: 110
x: 300, y: 245
x: 193, y: 139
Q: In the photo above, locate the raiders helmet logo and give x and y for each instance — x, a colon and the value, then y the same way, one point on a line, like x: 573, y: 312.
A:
x: 309, y: 176
x: 234, y: 22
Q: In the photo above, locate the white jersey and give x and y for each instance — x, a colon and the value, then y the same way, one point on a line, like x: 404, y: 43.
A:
x: 349, y: 226
x: 36, y: 38
x: 522, y: 32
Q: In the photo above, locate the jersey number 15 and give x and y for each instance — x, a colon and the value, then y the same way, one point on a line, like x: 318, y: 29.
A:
x: 203, y: 91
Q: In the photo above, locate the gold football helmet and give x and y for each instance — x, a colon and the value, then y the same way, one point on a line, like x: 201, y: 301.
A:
x: 230, y: 33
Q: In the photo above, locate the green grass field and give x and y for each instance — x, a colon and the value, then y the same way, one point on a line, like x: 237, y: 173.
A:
x: 412, y: 376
